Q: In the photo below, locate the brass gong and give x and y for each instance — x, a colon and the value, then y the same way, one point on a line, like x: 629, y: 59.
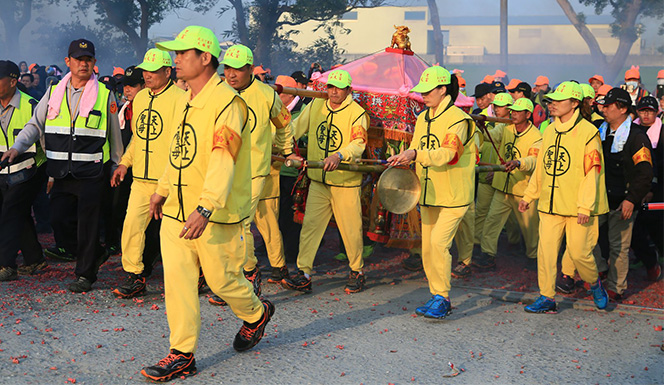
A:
x: 398, y: 190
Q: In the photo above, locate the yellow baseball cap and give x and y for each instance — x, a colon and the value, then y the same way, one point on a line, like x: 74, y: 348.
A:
x: 339, y: 79
x: 193, y: 37
x: 567, y: 90
x: 154, y: 59
x: 503, y: 99
x: 522, y: 104
x: 238, y: 56
x: 431, y: 78
x: 588, y: 91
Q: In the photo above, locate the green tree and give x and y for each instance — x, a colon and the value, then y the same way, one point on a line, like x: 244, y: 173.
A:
x: 135, y: 17
x: 624, y: 27
x: 15, y: 14
x: 258, y: 23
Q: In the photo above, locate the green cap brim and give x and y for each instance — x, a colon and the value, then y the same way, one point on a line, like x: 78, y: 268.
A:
x: 557, y: 96
x: 500, y: 104
x: 423, y: 88
x: 150, y: 67
x: 336, y: 83
x: 234, y: 63
x: 519, y: 108
x: 174, y: 45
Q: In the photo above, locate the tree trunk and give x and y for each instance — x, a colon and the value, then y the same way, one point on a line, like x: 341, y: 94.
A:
x: 595, y: 51
x: 627, y: 38
x: 142, y: 44
x: 437, y: 34
x: 117, y: 20
x: 13, y: 25
x: 267, y: 19
x: 241, y: 20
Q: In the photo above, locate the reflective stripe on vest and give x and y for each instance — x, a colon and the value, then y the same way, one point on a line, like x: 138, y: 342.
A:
x: 76, y: 157
x: 20, y: 117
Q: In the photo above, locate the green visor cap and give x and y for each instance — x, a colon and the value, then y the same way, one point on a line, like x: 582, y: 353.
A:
x: 155, y: 59
x: 193, y: 37
x: 431, y: 78
x: 522, y: 104
x: 238, y: 56
x: 588, y: 91
x: 503, y: 99
x: 339, y: 79
x: 567, y: 90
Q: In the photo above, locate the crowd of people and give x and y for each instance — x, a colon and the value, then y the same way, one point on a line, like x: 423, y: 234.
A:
x: 173, y: 163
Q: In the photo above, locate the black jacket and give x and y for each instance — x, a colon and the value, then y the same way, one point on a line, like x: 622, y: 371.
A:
x: 624, y: 179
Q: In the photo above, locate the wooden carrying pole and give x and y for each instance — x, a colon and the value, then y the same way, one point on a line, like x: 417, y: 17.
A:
x: 360, y: 167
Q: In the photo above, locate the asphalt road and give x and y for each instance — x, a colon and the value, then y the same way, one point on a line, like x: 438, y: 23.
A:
x: 51, y: 336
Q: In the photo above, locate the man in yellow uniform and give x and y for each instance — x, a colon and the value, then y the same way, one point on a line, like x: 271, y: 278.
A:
x: 519, y: 146
x: 569, y: 183
x: 147, y: 155
x: 444, y: 149
x: 206, y: 186
x: 19, y: 182
x: 337, y: 130
x: 268, y: 118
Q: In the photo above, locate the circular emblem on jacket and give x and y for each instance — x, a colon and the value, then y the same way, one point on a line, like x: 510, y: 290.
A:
x: 429, y: 142
x: 556, y: 163
x: 183, y: 147
x: 329, y: 140
x: 149, y: 125
x: 511, y: 152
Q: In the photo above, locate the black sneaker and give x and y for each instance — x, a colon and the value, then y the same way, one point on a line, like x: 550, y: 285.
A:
x: 565, y: 284
x: 461, y: 271
x: 413, y: 263
x: 33, y: 268
x: 254, y: 277
x: 176, y: 364
x: 8, y: 273
x: 81, y: 285
x: 484, y: 262
x: 133, y: 287
x: 278, y: 273
x: 355, y: 282
x: 217, y: 300
x: 299, y: 282
x: 250, y: 334
x: 59, y: 253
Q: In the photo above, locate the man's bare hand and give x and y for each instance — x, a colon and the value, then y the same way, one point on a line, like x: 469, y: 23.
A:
x: 331, y: 162
x: 402, y: 159
x: 582, y: 219
x: 523, y: 206
x: 194, y: 226
x: 118, y: 175
x: 156, y: 203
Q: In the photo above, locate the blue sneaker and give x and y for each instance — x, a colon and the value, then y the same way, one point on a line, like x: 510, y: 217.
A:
x: 600, y: 296
x: 440, y: 308
x: 423, y: 309
x: 542, y: 305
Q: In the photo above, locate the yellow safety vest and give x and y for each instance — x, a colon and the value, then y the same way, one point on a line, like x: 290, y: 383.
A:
x: 449, y: 185
x: 191, y: 145
x: 265, y: 107
x: 34, y: 156
x: 80, y: 148
x: 563, y: 161
x: 328, y: 132
x: 151, y: 123
x: 512, y: 147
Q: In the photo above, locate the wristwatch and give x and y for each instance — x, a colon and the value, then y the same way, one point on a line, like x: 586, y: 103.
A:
x: 204, y: 212
x: 341, y: 157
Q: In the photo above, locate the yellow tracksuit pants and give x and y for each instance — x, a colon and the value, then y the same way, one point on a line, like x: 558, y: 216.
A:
x: 620, y: 237
x: 465, y: 235
x: 482, y: 204
x: 265, y: 213
x: 581, y: 239
x: 136, y: 221
x: 502, y: 206
x: 439, y: 226
x: 322, y: 202
x: 220, y: 253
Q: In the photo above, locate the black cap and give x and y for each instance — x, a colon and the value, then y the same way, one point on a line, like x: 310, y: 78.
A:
x: 648, y: 102
x: 482, y: 89
x: 498, y: 87
x: 81, y: 47
x: 9, y: 69
x: 300, y: 77
x: 616, y: 95
x: 523, y: 87
x: 109, y: 81
x: 132, y: 76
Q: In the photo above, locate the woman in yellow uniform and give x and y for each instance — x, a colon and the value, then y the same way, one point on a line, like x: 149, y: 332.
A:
x: 569, y: 183
x: 445, y: 153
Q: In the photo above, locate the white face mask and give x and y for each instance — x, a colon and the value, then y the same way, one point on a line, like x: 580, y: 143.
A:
x: 660, y: 82
x: 632, y: 84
